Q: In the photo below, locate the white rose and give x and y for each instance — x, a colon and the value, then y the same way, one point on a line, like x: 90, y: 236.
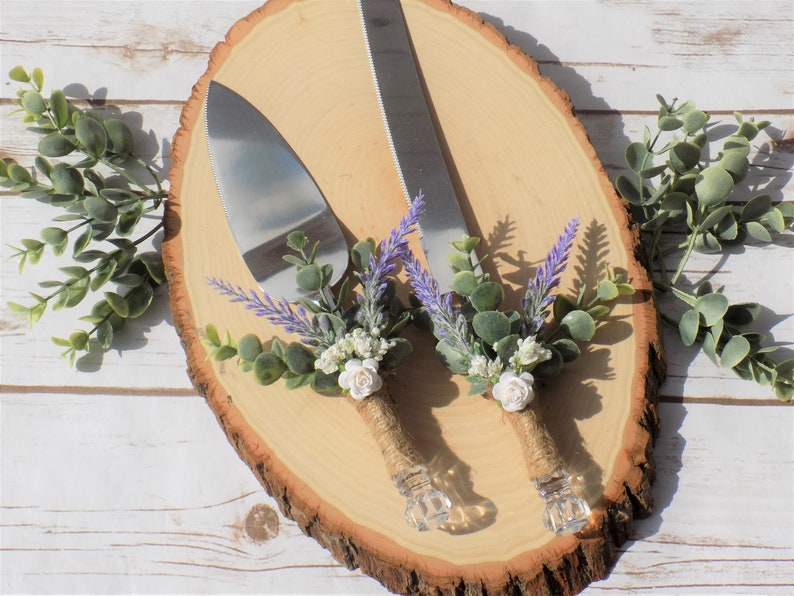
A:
x: 514, y: 392
x: 360, y: 377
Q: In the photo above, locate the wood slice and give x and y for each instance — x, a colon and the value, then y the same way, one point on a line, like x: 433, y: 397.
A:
x: 523, y: 167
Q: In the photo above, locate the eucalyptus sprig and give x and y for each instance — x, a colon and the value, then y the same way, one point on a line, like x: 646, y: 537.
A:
x: 96, y: 186
x: 334, y: 336
x: 480, y: 339
x: 677, y: 187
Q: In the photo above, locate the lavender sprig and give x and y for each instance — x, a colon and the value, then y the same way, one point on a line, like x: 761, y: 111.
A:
x: 538, y: 296
x: 392, y: 250
x: 278, y: 312
x: 448, y: 323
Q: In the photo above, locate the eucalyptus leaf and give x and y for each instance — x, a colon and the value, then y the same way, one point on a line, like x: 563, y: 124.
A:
x: 775, y: 220
x: 19, y: 74
x: 464, y: 282
x: 299, y: 381
x: 83, y: 240
x: 460, y: 261
x: 91, y: 135
x: 707, y: 243
x: 297, y: 240
x: 397, y: 354
x: 139, y: 298
x: 607, y: 290
x: 712, y: 186
x: 758, y: 231
x: 326, y: 384
x: 684, y: 156
x: 628, y: 189
x: 104, y: 334
x: 735, y: 163
x: 249, y: 347
x: 299, y: 358
x: 129, y: 219
x: 33, y: 102
x: 711, y: 307
x: 638, y: 157
x: 211, y: 331
x: 694, y: 120
x: 102, y: 274
x: 60, y: 108
x: 18, y: 174
x: 55, y: 237
x: 709, y: 348
x: 153, y: 262
x: 736, y: 349
x: 119, y: 137
x: 360, y: 254
x: 669, y: 123
x: 309, y: 278
x: 101, y: 209
x: 457, y: 362
x: 551, y: 367
x: 578, y: 325
x: 562, y: 306
x: 487, y: 296
x: 715, y: 216
x: 742, y: 314
x: 688, y: 327
x: 491, y: 326
x: 79, y: 340
x: 569, y: 350
x: 118, y: 303
x: 66, y: 179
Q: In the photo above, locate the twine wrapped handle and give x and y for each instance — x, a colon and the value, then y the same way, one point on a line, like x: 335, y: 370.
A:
x: 566, y: 512
x: 427, y: 508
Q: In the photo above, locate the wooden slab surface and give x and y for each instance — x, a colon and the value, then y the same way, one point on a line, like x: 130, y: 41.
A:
x: 522, y: 167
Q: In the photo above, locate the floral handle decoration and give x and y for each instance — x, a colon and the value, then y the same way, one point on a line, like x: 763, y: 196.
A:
x: 502, y: 352
x: 352, y: 350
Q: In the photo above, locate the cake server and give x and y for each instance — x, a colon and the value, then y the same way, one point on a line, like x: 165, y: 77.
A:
x: 266, y: 193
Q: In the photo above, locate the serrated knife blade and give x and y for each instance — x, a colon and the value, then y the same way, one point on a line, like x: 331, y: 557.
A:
x: 412, y: 136
x: 267, y: 193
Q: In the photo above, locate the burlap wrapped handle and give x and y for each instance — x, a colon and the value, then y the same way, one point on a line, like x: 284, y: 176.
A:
x: 379, y: 412
x: 427, y: 507
x: 537, y: 445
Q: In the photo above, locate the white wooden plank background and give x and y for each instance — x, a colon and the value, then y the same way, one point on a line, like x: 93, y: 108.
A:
x: 113, y: 481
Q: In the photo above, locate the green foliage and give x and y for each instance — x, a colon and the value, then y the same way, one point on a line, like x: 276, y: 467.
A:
x: 496, y: 334
x: 721, y: 330
x: 99, y: 194
x: 677, y: 187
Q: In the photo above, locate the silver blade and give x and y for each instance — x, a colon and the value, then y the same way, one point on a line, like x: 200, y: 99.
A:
x: 413, y: 139
x: 267, y: 193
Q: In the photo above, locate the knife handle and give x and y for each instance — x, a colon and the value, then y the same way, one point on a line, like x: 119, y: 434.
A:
x: 427, y: 508
x: 566, y: 511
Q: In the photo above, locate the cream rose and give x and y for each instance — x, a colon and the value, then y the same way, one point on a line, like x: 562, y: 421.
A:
x: 514, y: 392
x: 360, y: 377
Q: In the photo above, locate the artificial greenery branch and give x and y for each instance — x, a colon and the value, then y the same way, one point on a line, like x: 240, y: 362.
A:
x: 675, y: 188
x: 679, y: 188
x: 97, y: 188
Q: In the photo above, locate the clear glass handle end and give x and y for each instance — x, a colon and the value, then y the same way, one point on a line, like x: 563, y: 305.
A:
x: 566, y: 512
x: 426, y: 507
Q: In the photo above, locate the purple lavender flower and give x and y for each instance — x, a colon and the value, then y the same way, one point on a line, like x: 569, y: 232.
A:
x: 391, y: 251
x: 278, y: 312
x: 538, y: 297
x: 449, y: 324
